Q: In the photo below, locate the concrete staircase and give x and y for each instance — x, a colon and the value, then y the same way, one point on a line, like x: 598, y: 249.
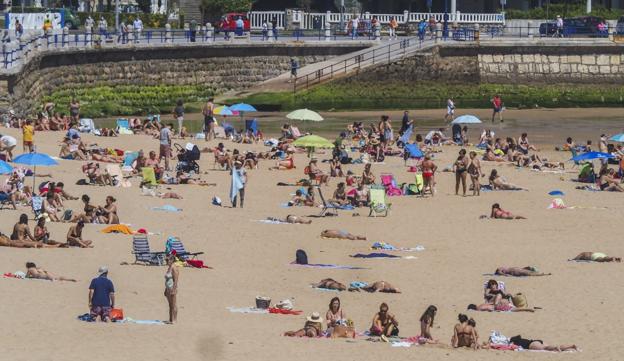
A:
x: 191, y: 11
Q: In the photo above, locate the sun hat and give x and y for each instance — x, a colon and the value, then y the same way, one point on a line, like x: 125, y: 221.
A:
x: 102, y: 270
x: 374, y: 141
x: 315, y: 317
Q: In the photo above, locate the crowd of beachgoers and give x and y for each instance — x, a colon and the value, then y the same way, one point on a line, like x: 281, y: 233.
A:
x: 369, y: 144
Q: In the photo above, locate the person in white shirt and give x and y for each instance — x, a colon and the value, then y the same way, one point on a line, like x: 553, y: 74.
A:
x: 103, y: 26
x: 354, y: 26
x: 265, y: 31
x: 559, y: 27
x: 137, y: 25
x: 7, y: 144
x: 450, y: 110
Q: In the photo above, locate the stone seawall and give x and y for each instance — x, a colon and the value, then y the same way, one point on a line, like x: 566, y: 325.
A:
x: 494, y: 62
x: 220, y: 67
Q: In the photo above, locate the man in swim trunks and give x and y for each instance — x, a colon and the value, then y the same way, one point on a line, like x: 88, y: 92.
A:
x: 428, y: 171
x: 519, y: 272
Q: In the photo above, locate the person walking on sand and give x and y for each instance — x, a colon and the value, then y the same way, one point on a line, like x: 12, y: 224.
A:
x: 101, y: 295
x: 209, y: 120
x: 450, y: 110
x: 461, y: 171
x: 497, y: 107
x: 178, y: 114
x: 239, y: 180
x: 171, y: 287
x: 165, y: 145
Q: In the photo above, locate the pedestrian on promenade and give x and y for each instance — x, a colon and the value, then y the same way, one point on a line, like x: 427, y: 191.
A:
x: 392, y: 27
x: 274, y: 27
x: 294, y: 65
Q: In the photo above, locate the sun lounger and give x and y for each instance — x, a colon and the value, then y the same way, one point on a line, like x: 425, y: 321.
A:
x: 142, y: 253
x: 174, y: 244
x: 149, y: 177
x: 389, y: 183
x: 378, y: 203
x: 86, y: 125
x: 114, y: 170
x: 327, y: 207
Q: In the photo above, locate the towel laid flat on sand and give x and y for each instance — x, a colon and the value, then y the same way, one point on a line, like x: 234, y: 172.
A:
x: 329, y: 266
x: 374, y: 255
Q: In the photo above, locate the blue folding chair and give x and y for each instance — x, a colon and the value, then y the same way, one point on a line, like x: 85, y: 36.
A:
x: 251, y: 125
x: 123, y: 123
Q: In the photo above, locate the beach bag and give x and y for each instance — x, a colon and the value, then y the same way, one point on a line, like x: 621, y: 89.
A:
x: 116, y: 314
x: 520, y: 301
x: 67, y: 215
x: 301, y: 257
x: 263, y: 302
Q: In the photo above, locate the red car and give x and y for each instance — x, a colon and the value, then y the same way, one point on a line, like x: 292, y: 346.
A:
x: 228, y: 22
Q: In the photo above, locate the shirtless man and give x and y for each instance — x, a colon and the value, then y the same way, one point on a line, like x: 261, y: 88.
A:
x: 291, y: 219
x: 519, y: 272
x: 74, y: 236
x: 32, y: 271
x: 428, y: 171
x: 333, y: 233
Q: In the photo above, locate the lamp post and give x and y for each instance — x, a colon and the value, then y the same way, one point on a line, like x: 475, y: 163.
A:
x: 116, y: 16
x: 342, y: 9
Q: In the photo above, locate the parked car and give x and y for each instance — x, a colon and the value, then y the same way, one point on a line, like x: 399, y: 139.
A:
x: 619, y: 28
x: 575, y: 27
x: 230, y: 25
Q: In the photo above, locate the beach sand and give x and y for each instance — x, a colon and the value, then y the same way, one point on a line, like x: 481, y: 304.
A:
x: 579, y: 301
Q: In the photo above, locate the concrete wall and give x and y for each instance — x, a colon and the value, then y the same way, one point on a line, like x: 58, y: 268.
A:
x: 221, y: 67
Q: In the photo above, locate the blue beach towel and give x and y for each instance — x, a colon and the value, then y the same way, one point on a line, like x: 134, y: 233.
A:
x: 374, y: 255
x: 236, y: 185
x: 167, y: 208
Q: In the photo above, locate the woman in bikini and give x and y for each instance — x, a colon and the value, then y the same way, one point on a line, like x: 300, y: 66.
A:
x: 426, y: 323
x: 474, y: 169
x: 460, y: 167
x: 89, y: 214
x: 379, y: 286
x: 32, y: 271
x: 464, y: 335
x: 312, y: 328
x: 287, y: 163
x: 171, y: 287
x: 74, y: 236
x: 335, y: 167
x: 595, y: 257
x: 499, y: 213
x: 367, y: 175
x: 330, y: 284
x: 49, y: 208
x: 340, y: 195
x: 608, y: 182
x: 43, y: 235
x: 539, y: 345
x: 384, y: 323
x: 519, y: 272
x: 498, y: 182
x: 333, y: 233
x: 108, y: 213
x: 335, y: 315
x: 317, y: 173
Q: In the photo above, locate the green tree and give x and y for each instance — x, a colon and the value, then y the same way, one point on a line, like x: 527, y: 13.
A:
x: 213, y: 9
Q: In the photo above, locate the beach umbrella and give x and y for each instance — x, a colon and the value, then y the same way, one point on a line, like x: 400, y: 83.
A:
x: 5, y: 168
x: 617, y: 138
x: 305, y: 114
x: 592, y: 156
x: 33, y: 160
x: 313, y: 141
x: 242, y: 108
x: 223, y: 110
x: 466, y: 119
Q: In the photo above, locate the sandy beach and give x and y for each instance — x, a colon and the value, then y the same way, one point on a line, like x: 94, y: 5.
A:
x: 579, y: 302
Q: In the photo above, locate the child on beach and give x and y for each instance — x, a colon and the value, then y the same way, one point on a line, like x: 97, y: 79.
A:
x: 28, y: 132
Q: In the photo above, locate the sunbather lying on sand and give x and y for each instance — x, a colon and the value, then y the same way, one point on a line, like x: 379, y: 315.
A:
x: 32, y: 271
x: 499, y: 213
x: 519, y: 272
x: 595, y: 257
x: 330, y: 284
x: 498, y: 182
x: 502, y: 306
x: 379, y: 286
x: 291, y: 219
x: 539, y: 345
x: 333, y: 233
x: 312, y: 328
x: 7, y: 242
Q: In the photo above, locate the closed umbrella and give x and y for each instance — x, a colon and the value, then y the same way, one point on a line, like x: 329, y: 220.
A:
x: 5, y: 168
x: 305, y: 114
x: 466, y: 119
x: 617, y: 138
x: 33, y: 160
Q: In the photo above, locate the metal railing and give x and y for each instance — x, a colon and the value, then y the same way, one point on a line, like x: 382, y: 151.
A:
x: 376, y: 55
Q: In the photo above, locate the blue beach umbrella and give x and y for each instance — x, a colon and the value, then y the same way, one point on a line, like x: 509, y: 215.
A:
x: 5, y: 168
x: 33, y: 160
x: 223, y: 110
x: 617, y: 138
x: 242, y: 108
x: 466, y: 119
x: 592, y: 156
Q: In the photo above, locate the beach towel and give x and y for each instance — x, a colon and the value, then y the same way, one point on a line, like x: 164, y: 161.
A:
x: 388, y: 247
x: 149, y: 177
x: 142, y: 322
x: 282, y: 311
x: 374, y: 255
x: 196, y: 263
x: 556, y: 192
x: 247, y: 310
x: 167, y: 208
x: 358, y: 284
x: 118, y: 228
x: 271, y: 221
x: 236, y: 185
x: 328, y: 266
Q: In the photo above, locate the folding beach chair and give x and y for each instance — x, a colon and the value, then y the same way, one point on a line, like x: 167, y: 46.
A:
x: 174, y: 244
x: 114, y: 170
x: 123, y: 123
x: 129, y: 158
x: 417, y: 187
x: 294, y: 131
x: 313, y: 177
x: 149, y: 177
x: 378, y: 203
x: 327, y: 207
x: 251, y: 125
x: 5, y: 200
x: 142, y: 253
x: 37, y: 205
x: 390, y: 185
x: 86, y: 125
x: 404, y: 139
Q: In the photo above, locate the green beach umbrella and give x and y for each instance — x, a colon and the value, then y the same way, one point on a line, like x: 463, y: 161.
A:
x: 305, y: 114
x: 310, y: 142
